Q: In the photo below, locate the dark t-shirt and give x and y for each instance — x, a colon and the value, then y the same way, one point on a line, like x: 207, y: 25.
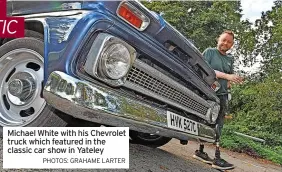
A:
x: 219, y: 62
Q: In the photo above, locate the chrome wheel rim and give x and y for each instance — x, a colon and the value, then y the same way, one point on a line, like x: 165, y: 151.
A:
x: 21, y: 85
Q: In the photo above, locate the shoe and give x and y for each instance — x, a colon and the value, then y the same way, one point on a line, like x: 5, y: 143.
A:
x: 221, y: 164
x: 202, y: 156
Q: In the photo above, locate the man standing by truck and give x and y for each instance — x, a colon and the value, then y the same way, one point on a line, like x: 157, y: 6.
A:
x: 223, y: 66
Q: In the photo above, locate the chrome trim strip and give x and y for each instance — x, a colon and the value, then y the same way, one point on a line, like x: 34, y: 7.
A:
x: 54, y: 14
x: 85, y: 100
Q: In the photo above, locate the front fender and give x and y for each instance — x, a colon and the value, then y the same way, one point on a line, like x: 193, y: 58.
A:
x: 65, y: 34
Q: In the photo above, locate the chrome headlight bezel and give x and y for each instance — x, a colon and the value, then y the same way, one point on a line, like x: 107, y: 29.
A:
x: 95, y: 63
x: 214, y: 112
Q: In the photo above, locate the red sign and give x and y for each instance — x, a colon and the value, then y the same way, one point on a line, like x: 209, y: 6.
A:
x: 10, y: 27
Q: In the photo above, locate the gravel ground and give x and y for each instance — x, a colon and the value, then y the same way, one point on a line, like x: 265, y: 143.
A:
x: 142, y: 159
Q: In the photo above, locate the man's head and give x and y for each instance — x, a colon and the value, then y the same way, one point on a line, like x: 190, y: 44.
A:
x: 225, y: 41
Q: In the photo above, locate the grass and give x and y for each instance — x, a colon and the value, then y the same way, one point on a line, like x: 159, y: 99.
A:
x: 255, y: 149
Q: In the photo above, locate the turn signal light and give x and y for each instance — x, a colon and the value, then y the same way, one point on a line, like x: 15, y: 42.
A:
x: 133, y: 16
x: 129, y: 16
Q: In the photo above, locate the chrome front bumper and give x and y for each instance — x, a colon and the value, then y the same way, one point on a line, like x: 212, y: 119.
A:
x: 85, y: 100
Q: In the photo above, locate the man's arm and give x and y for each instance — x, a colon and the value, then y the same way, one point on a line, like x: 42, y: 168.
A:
x: 229, y: 77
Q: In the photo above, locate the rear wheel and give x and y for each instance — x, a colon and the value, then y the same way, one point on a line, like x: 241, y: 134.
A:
x: 21, y: 85
x: 146, y: 139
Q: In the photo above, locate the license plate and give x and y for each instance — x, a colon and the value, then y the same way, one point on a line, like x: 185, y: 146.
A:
x: 181, y: 123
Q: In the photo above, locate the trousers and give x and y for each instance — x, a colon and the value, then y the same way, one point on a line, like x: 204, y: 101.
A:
x: 222, y: 112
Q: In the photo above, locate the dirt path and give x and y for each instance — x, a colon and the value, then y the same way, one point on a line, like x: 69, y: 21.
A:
x: 172, y: 157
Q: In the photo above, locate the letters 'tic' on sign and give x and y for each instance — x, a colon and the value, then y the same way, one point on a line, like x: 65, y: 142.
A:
x: 10, y: 27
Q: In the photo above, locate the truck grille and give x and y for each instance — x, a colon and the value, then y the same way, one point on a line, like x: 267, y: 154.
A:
x: 141, y: 78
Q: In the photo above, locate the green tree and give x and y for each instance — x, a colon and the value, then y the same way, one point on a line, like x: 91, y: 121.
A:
x: 257, y: 104
x: 269, y: 36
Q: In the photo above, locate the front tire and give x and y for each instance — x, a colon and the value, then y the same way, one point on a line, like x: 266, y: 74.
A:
x: 146, y: 139
x: 21, y: 86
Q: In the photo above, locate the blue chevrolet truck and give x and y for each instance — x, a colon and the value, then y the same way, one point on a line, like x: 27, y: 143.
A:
x: 112, y: 63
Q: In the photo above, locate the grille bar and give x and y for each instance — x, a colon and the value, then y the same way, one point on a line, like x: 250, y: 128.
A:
x: 152, y: 84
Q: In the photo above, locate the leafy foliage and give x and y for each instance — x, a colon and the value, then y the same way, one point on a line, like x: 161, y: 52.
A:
x: 258, y: 105
x: 269, y: 36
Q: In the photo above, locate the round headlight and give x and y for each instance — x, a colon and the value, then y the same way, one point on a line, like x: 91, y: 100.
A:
x: 116, y: 61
